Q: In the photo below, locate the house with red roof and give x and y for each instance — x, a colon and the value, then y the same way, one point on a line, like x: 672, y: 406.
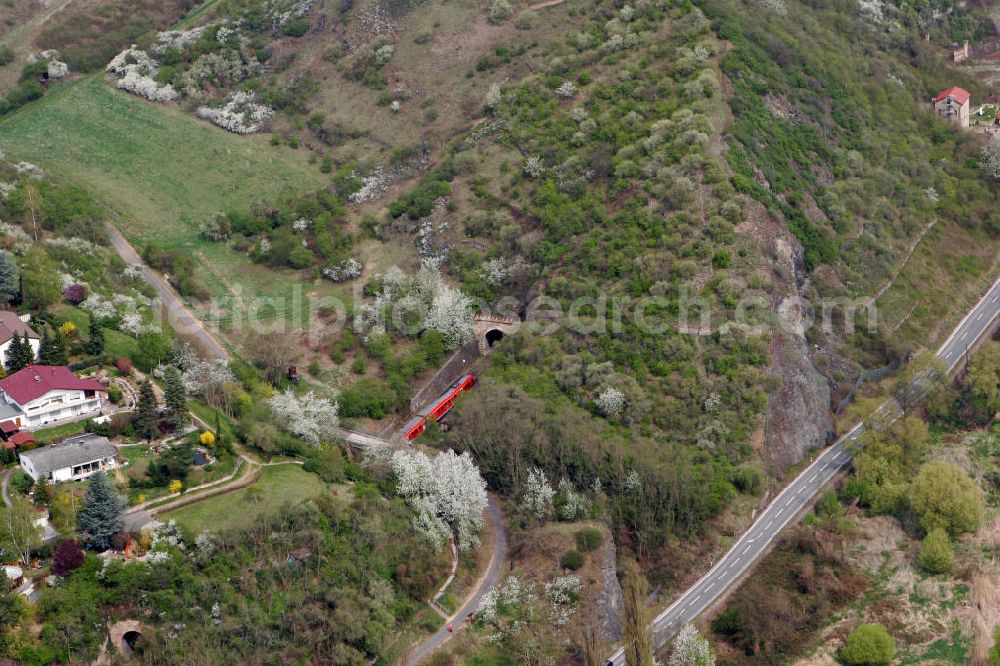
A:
x: 953, y: 104
x: 41, y: 394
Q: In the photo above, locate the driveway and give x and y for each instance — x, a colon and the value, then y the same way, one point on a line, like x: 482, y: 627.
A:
x: 5, y: 484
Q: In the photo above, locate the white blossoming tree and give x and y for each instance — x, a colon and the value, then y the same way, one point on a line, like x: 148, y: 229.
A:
x: 493, y: 97
x: 691, y: 649
x: 203, y: 375
x: 241, y: 114
x: 611, y: 402
x: 450, y: 314
x: 494, y: 271
x: 533, y: 167
x: 633, y: 482
x: 570, y: 504
x: 447, y: 492
x: 135, y: 70
x: 311, y: 417
x: 348, y: 269
x: 538, y: 494
x: 989, y: 157
x: 566, y: 89
x: 563, y: 595
x: 506, y: 609
x: 437, y: 305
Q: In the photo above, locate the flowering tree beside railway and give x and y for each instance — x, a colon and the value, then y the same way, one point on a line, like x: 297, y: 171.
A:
x: 538, y: 494
x: 447, y: 492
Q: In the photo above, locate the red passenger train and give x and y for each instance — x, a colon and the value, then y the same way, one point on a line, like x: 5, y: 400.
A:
x: 438, y: 407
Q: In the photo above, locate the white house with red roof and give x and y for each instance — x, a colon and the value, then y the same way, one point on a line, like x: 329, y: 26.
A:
x: 41, y: 394
x: 10, y: 325
x: 953, y: 104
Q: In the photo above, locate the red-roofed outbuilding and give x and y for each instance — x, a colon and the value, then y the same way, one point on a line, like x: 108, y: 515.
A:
x: 22, y: 438
x: 953, y: 104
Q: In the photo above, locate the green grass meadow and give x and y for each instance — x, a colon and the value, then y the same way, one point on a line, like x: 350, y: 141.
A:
x: 162, y: 172
x: 162, y: 169
x: 279, y: 485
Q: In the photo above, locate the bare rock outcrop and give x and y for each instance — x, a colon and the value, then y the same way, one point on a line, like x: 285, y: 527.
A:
x: 798, y: 414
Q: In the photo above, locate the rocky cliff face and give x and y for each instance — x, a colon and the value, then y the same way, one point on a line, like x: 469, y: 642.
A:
x: 798, y: 413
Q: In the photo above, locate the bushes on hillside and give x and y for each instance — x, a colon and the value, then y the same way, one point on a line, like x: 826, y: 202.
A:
x: 181, y: 268
x: 374, y: 580
x: 869, y: 645
x: 572, y: 560
x: 944, y: 497
x: 588, y: 539
x: 936, y: 553
x: 367, y: 398
x: 25, y: 92
x: 419, y: 202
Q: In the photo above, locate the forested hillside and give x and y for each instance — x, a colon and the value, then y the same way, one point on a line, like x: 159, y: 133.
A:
x: 647, y: 187
x: 831, y: 138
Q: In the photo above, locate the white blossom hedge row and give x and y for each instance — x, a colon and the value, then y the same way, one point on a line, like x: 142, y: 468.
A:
x: 222, y: 55
x: 348, y: 269
x: 241, y: 114
x: 131, y: 314
x: 135, y: 69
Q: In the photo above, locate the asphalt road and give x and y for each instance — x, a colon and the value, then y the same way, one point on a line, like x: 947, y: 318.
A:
x: 971, y: 327
x: 799, y: 494
x: 471, y: 605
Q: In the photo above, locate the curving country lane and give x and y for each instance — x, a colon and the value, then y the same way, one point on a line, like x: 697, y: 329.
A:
x: 801, y: 492
x: 498, y: 560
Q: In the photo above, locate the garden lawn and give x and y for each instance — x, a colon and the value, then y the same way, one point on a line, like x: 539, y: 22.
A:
x: 116, y: 343
x: 279, y: 485
x: 49, y: 435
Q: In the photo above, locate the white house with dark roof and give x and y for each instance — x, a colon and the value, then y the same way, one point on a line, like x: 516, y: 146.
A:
x: 41, y: 394
x: 71, y: 459
x: 10, y: 325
